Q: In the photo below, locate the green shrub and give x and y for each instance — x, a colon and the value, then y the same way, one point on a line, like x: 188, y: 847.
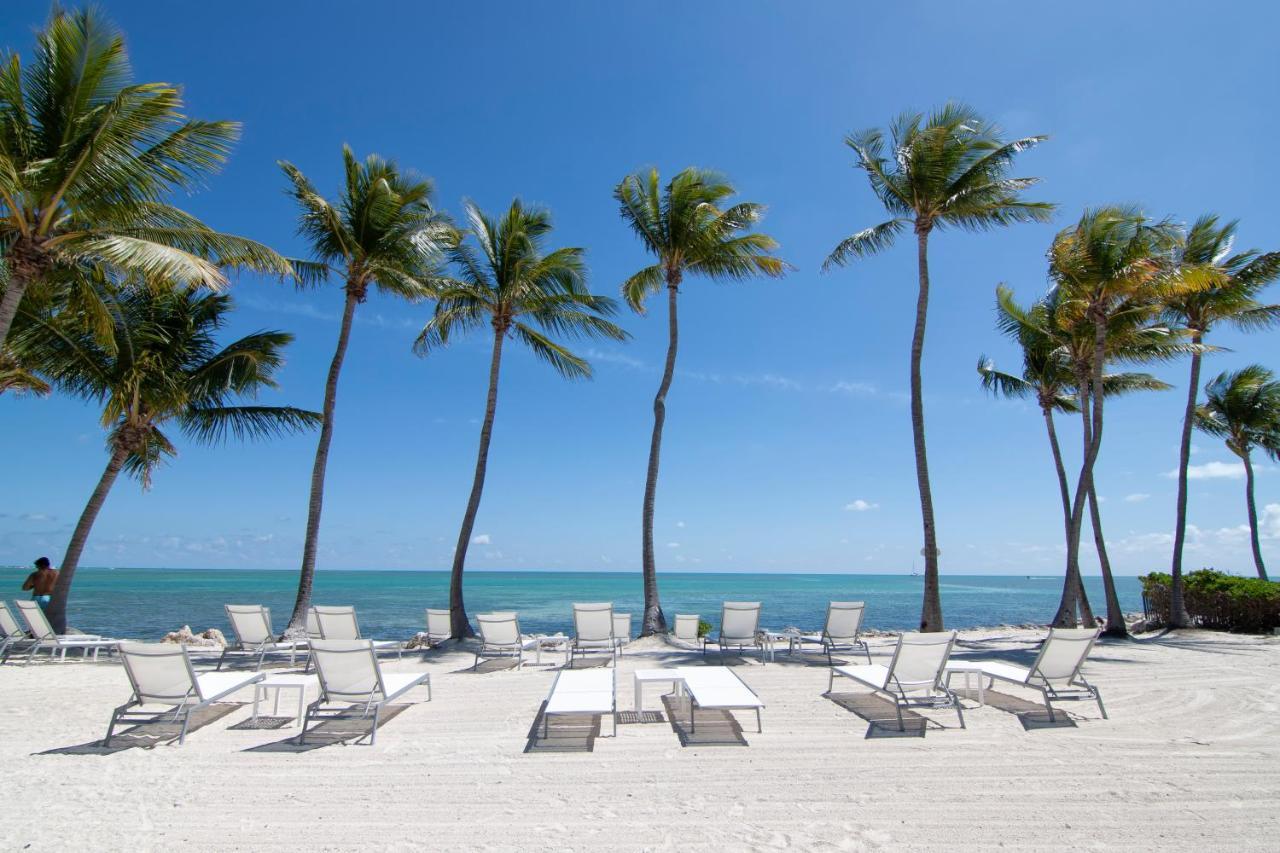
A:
x: 1217, y: 600
x: 704, y: 628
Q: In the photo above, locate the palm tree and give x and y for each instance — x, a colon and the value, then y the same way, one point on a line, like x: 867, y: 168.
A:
x: 1106, y: 271
x: 947, y: 170
x: 1051, y: 376
x: 1243, y: 409
x: 86, y: 159
x: 511, y: 283
x: 161, y: 366
x: 382, y: 232
x: 1230, y: 285
x: 685, y: 226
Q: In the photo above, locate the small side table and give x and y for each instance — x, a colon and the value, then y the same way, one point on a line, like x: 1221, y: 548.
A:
x: 968, y: 670
x: 552, y: 643
x: 644, y: 676
x: 279, y: 683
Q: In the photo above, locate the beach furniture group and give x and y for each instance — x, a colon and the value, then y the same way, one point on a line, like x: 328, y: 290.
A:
x: 39, y: 634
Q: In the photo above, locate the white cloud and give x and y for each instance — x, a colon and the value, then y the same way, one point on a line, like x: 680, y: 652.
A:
x: 860, y: 506
x: 857, y: 388
x: 482, y: 539
x: 679, y: 524
x: 1136, y: 498
x: 614, y: 357
x: 1211, y: 471
x: 673, y: 544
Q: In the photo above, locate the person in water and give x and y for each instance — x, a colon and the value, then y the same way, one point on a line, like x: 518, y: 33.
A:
x: 41, y: 582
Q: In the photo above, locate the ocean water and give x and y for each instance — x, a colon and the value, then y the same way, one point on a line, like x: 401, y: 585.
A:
x: 147, y: 603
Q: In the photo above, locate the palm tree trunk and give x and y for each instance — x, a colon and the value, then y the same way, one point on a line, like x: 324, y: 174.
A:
x: 298, y: 620
x: 57, y: 612
x: 1253, y: 517
x: 28, y: 261
x: 1115, y: 626
x: 931, y: 608
x: 1064, y: 492
x: 1178, y: 617
x: 459, y: 623
x: 1072, y: 583
x: 654, y: 621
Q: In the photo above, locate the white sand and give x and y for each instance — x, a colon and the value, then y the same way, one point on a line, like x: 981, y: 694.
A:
x: 1189, y: 760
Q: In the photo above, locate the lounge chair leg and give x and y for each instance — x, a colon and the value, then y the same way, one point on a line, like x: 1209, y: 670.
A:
x: 182, y: 733
x: 759, y: 724
x: 1049, y: 706
x: 959, y: 710
x: 428, y: 688
x: 373, y: 732
x: 831, y: 680
x: 1097, y: 697
x: 106, y: 741
x: 897, y: 706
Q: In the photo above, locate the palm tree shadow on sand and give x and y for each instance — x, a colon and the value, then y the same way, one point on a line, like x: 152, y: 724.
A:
x: 163, y: 730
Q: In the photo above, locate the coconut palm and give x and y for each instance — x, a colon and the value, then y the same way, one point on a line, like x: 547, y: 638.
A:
x: 383, y: 233
x: 162, y: 367
x: 1051, y: 376
x: 947, y: 170
x: 1106, y: 271
x: 86, y: 160
x: 509, y: 282
x: 1231, y: 283
x: 1243, y: 409
x: 691, y: 230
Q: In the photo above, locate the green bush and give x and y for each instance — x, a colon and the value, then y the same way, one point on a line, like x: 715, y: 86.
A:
x: 1217, y: 600
x: 704, y: 628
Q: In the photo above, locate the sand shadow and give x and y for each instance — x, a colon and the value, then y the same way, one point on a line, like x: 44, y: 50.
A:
x: 594, y: 662
x: 487, y: 665
x: 1032, y: 715
x: 348, y: 729
x: 148, y: 735
x: 711, y: 727
x: 564, y: 732
x: 881, y: 716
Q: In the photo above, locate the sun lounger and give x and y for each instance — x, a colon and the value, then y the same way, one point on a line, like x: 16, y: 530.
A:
x: 500, y: 637
x: 44, y: 637
x: 913, y: 677
x: 251, y: 624
x: 1056, y: 670
x: 621, y: 630
x: 840, y: 631
x: 339, y: 623
x: 593, y: 631
x: 350, y: 675
x: 720, y: 688
x: 686, y: 629
x: 739, y: 628
x: 586, y: 691
x: 439, y: 627
x: 161, y: 674
x: 12, y: 638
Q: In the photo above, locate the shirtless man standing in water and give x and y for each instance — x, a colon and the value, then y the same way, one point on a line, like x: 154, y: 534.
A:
x: 41, y: 582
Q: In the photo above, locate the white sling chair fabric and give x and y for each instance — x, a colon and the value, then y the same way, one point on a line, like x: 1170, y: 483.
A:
x: 593, y: 631
x: 739, y: 628
x: 621, y: 630
x: 11, y: 636
x: 686, y: 629
x: 500, y: 637
x: 161, y: 674
x: 915, y: 674
x: 251, y: 625
x: 840, y: 631
x: 439, y: 626
x: 350, y: 675
x: 339, y: 623
x: 1056, y: 670
x: 44, y: 637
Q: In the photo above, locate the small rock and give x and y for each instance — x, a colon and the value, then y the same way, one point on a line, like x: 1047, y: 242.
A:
x: 184, y: 636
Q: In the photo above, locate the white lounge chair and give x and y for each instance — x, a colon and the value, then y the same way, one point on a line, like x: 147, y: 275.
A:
x: 44, y: 637
x: 621, y: 630
x: 587, y: 691
x: 161, y: 674
x: 439, y: 627
x: 739, y: 628
x: 593, y: 631
x: 12, y: 638
x: 339, y: 623
x: 251, y: 625
x: 1056, y: 670
x: 500, y: 637
x: 840, y: 631
x: 686, y: 629
x: 350, y: 675
x: 913, y: 676
x: 718, y: 687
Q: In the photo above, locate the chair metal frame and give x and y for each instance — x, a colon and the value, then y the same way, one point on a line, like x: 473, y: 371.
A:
x: 940, y: 694
x: 741, y: 643
x: 374, y: 701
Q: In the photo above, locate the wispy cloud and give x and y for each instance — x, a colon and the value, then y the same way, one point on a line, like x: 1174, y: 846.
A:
x: 1136, y: 498
x: 614, y: 357
x: 861, y: 506
x: 1211, y: 471
x: 482, y: 539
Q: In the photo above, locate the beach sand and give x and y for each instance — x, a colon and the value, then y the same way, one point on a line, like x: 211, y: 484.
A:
x: 1190, y: 760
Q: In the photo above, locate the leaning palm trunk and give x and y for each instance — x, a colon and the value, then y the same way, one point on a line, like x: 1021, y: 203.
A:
x: 459, y: 624
x: 57, y: 612
x: 1253, y: 517
x: 298, y: 620
x: 654, y: 621
x: 28, y: 262
x: 1082, y: 600
x: 1178, y: 617
x: 1115, y: 626
x: 931, y: 609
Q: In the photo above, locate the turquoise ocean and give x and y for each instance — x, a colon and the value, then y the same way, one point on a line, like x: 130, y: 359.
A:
x: 146, y: 603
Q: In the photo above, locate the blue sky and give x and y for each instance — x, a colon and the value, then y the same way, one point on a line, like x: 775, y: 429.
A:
x: 788, y: 443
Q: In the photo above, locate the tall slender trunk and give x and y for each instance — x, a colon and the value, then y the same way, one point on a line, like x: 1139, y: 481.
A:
x: 1072, y: 583
x: 1064, y: 492
x: 1253, y: 516
x: 28, y: 261
x: 459, y: 624
x: 931, y: 608
x: 298, y: 620
x: 654, y: 621
x: 57, y: 612
x: 1115, y: 626
x: 1178, y: 617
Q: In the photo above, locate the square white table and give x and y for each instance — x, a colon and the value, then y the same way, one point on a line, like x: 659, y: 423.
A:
x: 644, y: 676
x: 279, y: 683
x: 968, y: 670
